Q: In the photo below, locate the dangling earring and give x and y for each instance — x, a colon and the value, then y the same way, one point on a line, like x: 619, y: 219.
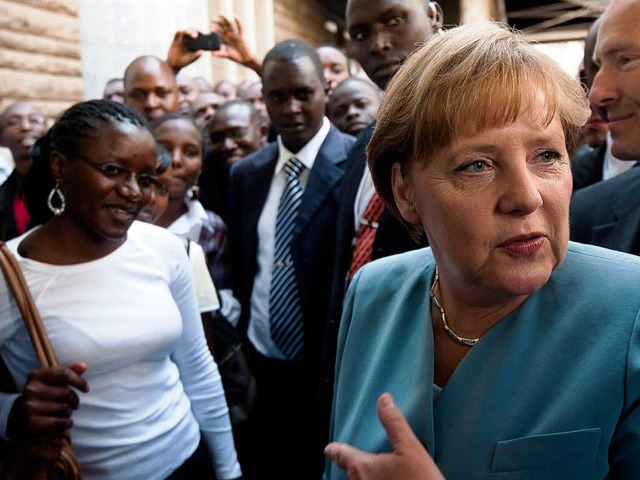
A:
x: 55, y: 191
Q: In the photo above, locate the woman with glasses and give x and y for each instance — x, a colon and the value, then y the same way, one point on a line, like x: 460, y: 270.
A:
x: 138, y: 387
x: 185, y: 216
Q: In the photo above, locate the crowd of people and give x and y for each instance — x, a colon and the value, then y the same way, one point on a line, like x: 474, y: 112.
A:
x: 394, y: 254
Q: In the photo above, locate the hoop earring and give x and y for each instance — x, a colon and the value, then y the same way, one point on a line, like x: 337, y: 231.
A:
x: 55, y: 191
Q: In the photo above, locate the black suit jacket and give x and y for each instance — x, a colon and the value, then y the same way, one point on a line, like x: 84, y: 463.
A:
x: 586, y: 167
x: 608, y: 213
x: 313, y: 244
x: 391, y: 237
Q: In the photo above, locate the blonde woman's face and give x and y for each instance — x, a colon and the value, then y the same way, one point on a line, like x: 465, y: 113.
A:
x: 495, y: 205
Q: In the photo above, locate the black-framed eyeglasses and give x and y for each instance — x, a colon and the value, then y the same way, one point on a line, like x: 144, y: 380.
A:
x: 146, y: 182
x: 234, y: 134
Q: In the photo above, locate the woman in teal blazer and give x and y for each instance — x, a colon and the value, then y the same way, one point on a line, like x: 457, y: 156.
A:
x: 512, y: 353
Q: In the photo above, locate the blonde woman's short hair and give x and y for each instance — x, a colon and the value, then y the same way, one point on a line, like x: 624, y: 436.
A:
x: 472, y: 74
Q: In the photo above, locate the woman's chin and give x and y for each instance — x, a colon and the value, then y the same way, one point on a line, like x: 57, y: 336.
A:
x: 147, y: 217
x: 520, y: 284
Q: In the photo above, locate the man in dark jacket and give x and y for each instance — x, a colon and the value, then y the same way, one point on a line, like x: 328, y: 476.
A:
x: 21, y: 124
x: 608, y: 213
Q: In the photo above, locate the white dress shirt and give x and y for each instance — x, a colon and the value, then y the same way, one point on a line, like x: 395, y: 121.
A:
x: 613, y: 166
x: 189, y: 224
x: 363, y: 197
x: 259, y: 331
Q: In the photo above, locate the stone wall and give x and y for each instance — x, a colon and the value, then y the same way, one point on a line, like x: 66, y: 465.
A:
x: 40, y: 41
x: 114, y: 32
x: 40, y: 53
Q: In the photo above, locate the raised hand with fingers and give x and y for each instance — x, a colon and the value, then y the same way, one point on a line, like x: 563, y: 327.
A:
x: 42, y: 414
x: 234, y: 45
x: 179, y: 55
x: 409, y: 460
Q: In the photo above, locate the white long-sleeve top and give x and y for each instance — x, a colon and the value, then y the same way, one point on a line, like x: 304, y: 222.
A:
x: 132, y: 317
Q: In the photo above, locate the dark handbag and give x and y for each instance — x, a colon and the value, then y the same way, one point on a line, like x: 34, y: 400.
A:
x: 237, y: 380
x: 225, y: 344
x: 22, y: 464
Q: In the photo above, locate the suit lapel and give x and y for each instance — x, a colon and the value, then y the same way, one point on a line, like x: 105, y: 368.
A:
x: 324, y: 176
x: 350, y: 185
x: 619, y: 234
x: 355, y: 170
x: 257, y: 183
x: 621, y: 231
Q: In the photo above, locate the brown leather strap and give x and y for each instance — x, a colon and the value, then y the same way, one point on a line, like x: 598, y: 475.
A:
x: 66, y: 467
x: 32, y: 321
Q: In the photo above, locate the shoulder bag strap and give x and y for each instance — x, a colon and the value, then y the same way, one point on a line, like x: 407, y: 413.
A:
x: 32, y: 321
x: 66, y: 466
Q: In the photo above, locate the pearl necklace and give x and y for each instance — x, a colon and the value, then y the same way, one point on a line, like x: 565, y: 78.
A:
x: 467, y: 342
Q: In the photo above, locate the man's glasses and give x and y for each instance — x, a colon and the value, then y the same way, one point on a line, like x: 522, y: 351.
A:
x: 146, y: 182
x: 17, y: 120
x: 234, y: 134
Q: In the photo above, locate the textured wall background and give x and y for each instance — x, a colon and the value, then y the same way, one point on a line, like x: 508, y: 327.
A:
x: 114, y: 32
x: 58, y: 52
x: 40, y: 53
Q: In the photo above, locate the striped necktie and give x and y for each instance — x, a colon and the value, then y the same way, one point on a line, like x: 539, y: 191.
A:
x: 363, y: 248
x: 285, y: 310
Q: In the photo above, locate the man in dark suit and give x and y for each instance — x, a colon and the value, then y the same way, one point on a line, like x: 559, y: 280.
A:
x: 587, y: 165
x: 383, y: 33
x: 608, y: 213
x: 594, y: 161
x: 235, y: 130
x: 21, y: 125
x: 283, y: 205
